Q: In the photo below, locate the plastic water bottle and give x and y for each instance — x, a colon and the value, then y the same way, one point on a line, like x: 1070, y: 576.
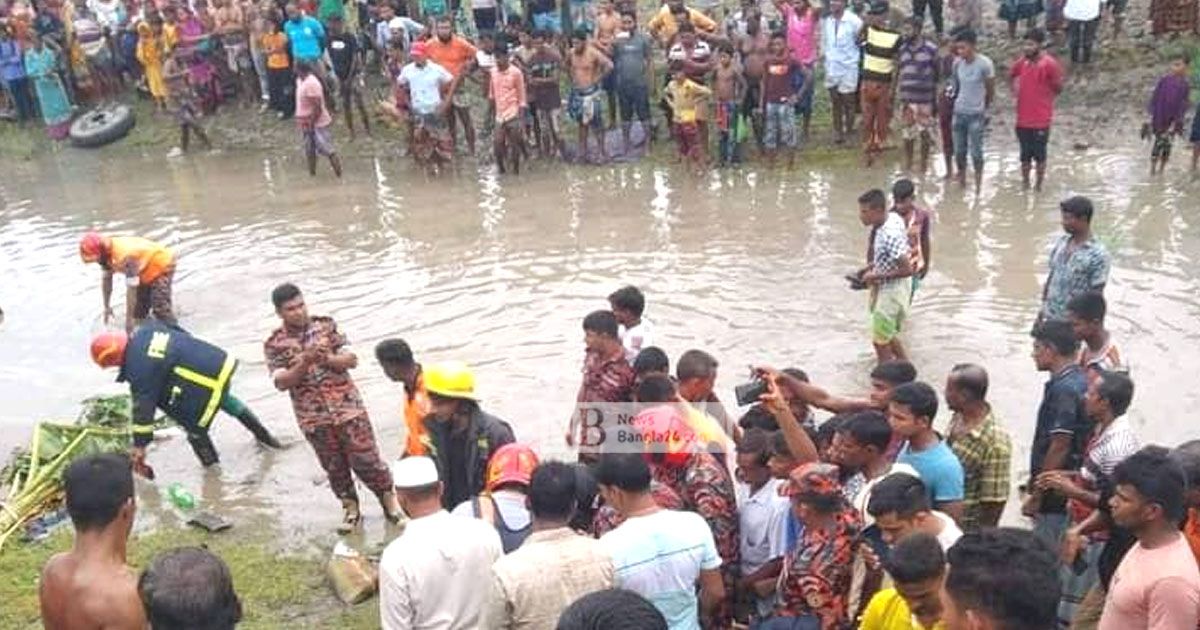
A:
x: 180, y: 497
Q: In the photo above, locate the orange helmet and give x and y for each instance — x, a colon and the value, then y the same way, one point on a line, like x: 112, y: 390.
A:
x: 91, y: 246
x: 108, y: 348
x: 511, y: 463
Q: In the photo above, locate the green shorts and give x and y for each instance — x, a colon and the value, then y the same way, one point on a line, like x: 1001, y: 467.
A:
x: 889, y: 308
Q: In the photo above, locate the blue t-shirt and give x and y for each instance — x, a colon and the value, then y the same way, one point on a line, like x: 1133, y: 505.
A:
x: 939, y: 469
x: 660, y: 557
x: 305, y: 35
x: 795, y: 529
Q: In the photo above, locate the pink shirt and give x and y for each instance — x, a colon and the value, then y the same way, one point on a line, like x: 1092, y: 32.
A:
x: 801, y: 35
x: 1154, y: 589
x: 508, y: 90
x: 1036, y: 84
x: 308, y: 91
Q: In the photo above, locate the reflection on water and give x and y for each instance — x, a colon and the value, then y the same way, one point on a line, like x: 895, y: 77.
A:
x: 500, y: 271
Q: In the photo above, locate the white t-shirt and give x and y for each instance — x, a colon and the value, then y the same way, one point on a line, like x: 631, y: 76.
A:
x: 425, y: 85
x: 1082, y: 10
x: 486, y: 60
x: 426, y: 576
x: 950, y: 531
x: 660, y: 556
x: 860, y: 500
x: 762, y: 524
x: 636, y: 338
x: 510, y: 504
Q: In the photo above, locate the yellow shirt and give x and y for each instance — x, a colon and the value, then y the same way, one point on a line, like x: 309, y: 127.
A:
x: 664, y: 27
x: 686, y: 98
x: 708, y: 431
x: 889, y: 611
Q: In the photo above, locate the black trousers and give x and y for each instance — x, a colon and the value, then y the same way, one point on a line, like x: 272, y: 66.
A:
x: 935, y: 13
x: 1082, y: 36
x: 281, y: 86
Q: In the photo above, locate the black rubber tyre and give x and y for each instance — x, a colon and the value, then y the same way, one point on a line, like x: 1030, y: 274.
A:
x: 100, y: 126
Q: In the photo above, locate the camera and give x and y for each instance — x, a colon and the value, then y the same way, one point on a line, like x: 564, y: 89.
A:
x: 749, y: 393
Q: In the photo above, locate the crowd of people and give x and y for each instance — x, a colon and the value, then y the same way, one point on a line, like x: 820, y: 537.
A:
x: 747, y: 75
x: 877, y: 517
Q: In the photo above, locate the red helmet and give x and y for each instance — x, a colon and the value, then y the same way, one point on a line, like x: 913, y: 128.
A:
x: 665, y: 434
x: 91, y: 246
x: 108, y: 348
x: 511, y: 463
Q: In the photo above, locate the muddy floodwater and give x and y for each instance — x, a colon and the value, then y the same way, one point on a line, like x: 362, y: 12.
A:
x: 499, y: 272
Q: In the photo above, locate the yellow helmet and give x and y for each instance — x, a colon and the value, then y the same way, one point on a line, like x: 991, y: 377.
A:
x: 452, y: 379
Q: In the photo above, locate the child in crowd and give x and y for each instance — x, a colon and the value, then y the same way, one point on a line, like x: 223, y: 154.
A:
x: 945, y: 102
x: 730, y: 87
x: 544, y: 67
x: 280, y: 82
x: 684, y: 97
x: 779, y: 95
x: 1167, y: 109
x: 181, y: 102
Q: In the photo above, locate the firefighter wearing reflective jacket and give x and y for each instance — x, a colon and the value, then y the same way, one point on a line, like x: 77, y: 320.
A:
x: 188, y: 379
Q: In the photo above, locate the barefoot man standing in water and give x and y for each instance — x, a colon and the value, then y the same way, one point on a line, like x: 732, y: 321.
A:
x: 91, y: 586
x: 314, y: 120
x: 311, y: 360
x: 586, y: 105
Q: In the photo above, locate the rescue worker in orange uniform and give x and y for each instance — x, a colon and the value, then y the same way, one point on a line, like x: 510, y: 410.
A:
x: 396, y: 359
x: 148, y: 267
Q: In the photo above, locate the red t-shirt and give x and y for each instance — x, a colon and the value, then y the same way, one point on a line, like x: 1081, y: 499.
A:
x: 778, y: 80
x: 1036, y: 84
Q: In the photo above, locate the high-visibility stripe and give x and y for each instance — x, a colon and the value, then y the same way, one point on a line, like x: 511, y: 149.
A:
x: 142, y: 428
x: 216, y: 387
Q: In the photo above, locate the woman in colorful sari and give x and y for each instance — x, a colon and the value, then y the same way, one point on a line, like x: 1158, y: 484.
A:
x: 151, y: 50
x: 196, y: 44
x: 41, y: 65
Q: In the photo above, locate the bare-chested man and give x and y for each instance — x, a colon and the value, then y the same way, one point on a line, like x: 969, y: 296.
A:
x: 753, y: 50
x: 588, y: 66
x: 608, y: 24
x: 229, y: 24
x: 90, y: 587
x: 729, y: 88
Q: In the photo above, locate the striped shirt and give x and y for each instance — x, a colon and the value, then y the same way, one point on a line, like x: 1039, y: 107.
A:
x: 879, y: 54
x: 918, y: 72
x: 1108, y: 449
x: 1107, y: 358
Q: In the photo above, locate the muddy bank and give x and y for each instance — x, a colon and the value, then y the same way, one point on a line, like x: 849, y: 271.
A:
x: 1102, y: 106
x: 278, y: 588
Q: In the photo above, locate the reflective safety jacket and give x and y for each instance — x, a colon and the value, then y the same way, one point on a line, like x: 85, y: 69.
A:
x: 168, y: 369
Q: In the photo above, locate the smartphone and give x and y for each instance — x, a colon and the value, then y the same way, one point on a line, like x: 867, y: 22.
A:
x: 872, y: 536
x: 749, y: 393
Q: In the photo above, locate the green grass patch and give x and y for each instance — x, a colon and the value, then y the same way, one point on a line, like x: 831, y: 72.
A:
x: 278, y: 590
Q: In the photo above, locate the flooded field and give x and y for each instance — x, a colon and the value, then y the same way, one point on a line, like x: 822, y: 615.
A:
x: 500, y: 272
